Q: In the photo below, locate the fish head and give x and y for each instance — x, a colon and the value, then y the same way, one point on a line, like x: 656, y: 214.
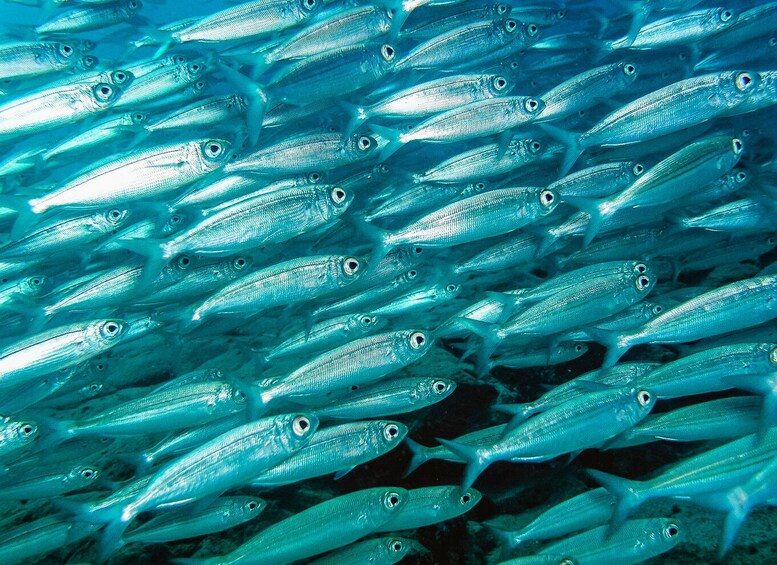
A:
x: 211, y: 154
x: 21, y: 433
x: 236, y: 266
x: 392, y: 433
x: 332, y: 200
x: 548, y: 200
x: 83, y: 474
x: 734, y: 87
x: 394, y: 549
x: 566, y: 351
x: 297, y: 429
x: 643, y: 276
x: 388, y: 56
x: 435, y: 389
x: 496, y: 85
x: 410, y: 345
x: 626, y: 73
x: 361, y: 324
x: 347, y: 269
x: 641, y: 402
x: 308, y: 7
x: 86, y: 63
x: 110, y: 221
x: 32, y: 286
x: 718, y: 19
x: 104, y: 95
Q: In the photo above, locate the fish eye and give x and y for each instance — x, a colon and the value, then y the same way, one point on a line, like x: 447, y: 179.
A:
x: 657, y: 309
x: 66, y: 50
x: 239, y: 396
x: 531, y: 105
x: 300, y: 425
x: 87, y: 473
x: 743, y: 81
x: 115, y: 215
x: 578, y: 348
x: 120, y: 78
x: 418, y: 250
x: 638, y: 169
x: 199, y: 85
x: 535, y: 146
x: 89, y: 61
x: 391, y: 499
x: 388, y: 52
x: 184, y: 261
x: 465, y: 498
x: 773, y: 355
x: 28, y: 429
x: 737, y: 146
x: 532, y: 30
x: 726, y: 15
x: 514, y: 65
x: 450, y: 288
x: 213, y: 149
x: 309, y: 4
x: 642, y: 282
x: 313, y: 178
x: 547, y: 198
x: 500, y: 83
x: 103, y: 92
x: 772, y: 41
x: 439, y: 386
x: 338, y: 195
x: 95, y: 387
x: 110, y: 329
x: 644, y: 398
x: 36, y: 281
x: 365, y: 143
x: 671, y: 530
x: 396, y: 545
x: 239, y: 262
x: 640, y: 268
x: 351, y: 266
x: 411, y: 274
x: 366, y: 321
x: 139, y: 118
x: 629, y: 69
x: 502, y: 9
x: 390, y: 431
x: 100, y: 366
x: 134, y: 4
x: 417, y: 340
x: 560, y: 14
x: 253, y: 505
x: 510, y: 25
x: 479, y: 186
x: 175, y: 219
x: 179, y: 59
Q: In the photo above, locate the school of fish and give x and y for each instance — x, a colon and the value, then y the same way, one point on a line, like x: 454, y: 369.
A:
x: 263, y: 260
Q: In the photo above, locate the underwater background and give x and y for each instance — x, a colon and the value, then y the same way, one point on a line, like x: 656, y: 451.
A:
x: 294, y: 127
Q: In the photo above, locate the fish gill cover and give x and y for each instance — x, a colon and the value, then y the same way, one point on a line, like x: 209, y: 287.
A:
x: 429, y: 281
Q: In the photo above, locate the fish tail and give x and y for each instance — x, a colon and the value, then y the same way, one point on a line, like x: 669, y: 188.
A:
x: 380, y: 238
x: 111, y: 539
x: 617, y: 345
x: 739, y: 508
x: 491, y: 340
x: 507, y: 540
x: 394, y: 138
x: 357, y: 116
x: 420, y: 455
x: 256, y: 96
x: 625, y: 490
x: 28, y: 214
x: 597, y: 212
x: 54, y: 431
x: 157, y: 251
x: 519, y: 412
x: 473, y: 456
x: 570, y: 140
